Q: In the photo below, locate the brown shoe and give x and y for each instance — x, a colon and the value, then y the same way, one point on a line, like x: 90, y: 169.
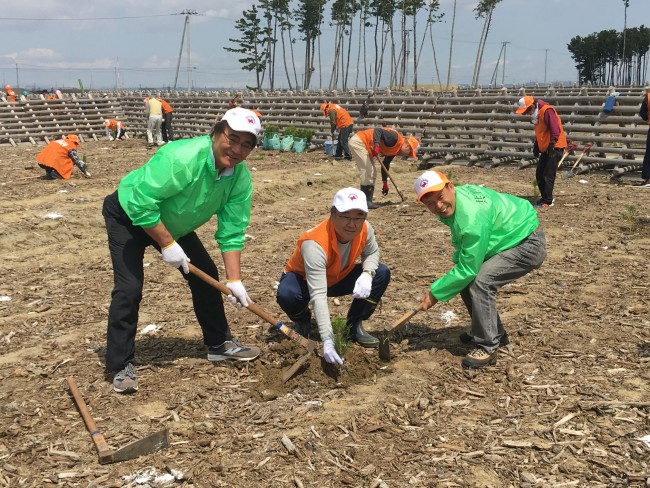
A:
x: 478, y: 358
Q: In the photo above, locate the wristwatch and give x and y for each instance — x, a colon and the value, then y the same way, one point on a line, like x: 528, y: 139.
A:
x: 371, y: 273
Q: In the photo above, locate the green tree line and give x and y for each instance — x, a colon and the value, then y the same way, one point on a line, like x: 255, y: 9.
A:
x: 612, y: 58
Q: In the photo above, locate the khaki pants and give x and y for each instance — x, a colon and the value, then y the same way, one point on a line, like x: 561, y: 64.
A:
x: 365, y: 165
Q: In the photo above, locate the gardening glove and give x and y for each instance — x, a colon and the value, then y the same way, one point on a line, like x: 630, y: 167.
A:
x: 174, y: 255
x: 330, y: 354
x: 84, y: 169
x: 375, y: 151
x: 239, y: 295
x: 550, y: 150
x: 362, y: 286
x: 536, y: 150
x: 384, y: 188
x: 111, y: 138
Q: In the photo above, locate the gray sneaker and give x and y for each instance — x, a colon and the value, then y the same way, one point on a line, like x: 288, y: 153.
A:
x: 125, y: 380
x: 232, y: 349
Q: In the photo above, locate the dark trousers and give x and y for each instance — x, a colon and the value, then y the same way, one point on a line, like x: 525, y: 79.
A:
x: 293, y: 294
x: 166, y: 127
x: 342, y: 147
x: 545, y: 174
x: 127, y: 244
x: 645, y: 172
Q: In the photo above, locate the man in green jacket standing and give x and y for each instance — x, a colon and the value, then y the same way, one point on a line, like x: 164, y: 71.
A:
x: 497, y: 239
x: 161, y: 204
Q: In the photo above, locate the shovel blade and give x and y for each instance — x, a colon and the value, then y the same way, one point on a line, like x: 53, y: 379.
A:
x: 568, y: 174
x: 142, y: 447
x: 384, y: 348
x: 288, y: 374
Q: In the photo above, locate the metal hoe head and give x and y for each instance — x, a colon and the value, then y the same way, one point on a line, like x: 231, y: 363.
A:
x: 152, y: 443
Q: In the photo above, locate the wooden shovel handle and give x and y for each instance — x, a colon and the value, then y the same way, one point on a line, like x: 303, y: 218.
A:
x: 403, y: 319
x: 390, y: 178
x: 261, y: 313
x: 100, y: 443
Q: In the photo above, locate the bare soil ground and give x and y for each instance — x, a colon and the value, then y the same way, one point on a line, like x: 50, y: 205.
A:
x: 566, y: 405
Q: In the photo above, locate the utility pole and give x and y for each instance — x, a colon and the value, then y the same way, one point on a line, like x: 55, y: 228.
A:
x: 545, y: 60
x: 17, y: 83
x: 503, y: 72
x: 186, y: 28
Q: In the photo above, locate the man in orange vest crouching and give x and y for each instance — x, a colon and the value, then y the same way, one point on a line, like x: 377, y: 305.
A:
x: 550, y: 142
x: 115, y: 129
x: 58, y: 158
x: 324, y: 264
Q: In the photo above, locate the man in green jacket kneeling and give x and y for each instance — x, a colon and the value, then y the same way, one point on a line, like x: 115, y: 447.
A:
x: 497, y: 239
x: 161, y: 204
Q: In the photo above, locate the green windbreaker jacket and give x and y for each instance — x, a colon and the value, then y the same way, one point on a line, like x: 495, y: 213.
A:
x: 178, y: 186
x: 484, y: 224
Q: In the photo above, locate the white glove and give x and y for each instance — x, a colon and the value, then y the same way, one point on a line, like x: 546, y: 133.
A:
x: 239, y: 295
x: 111, y: 138
x: 174, y: 255
x: 362, y: 286
x: 330, y: 354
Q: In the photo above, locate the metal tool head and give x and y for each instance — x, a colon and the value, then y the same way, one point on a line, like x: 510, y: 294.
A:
x: 288, y: 374
x: 142, y: 447
x: 384, y: 347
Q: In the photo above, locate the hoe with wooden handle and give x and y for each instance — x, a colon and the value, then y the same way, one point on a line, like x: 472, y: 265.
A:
x: 571, y: 172
x: 290, y: 333
x: 151, y: 443
x: 384, y: 343
x: 570, y: 147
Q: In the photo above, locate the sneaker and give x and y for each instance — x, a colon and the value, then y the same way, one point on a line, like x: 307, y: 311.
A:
x: 541, y: 204
x: 232, y: 349
x: 478, y: 358
x: 645, y: 183
x: 125, y: 381
x: 467, y: 339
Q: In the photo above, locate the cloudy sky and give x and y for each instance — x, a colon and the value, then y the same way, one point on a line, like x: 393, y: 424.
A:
x: 136, y: 43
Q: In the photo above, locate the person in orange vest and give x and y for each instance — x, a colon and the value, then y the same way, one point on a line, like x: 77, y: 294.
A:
x: 166, y: 126
x: 338, y: 257
x: 339, y: 119
x: 115, y: 129
x: 11, y: 95
x: 550, y: 142
x: 645, y: 115
x: 58, y: 158
x: 370, y: 143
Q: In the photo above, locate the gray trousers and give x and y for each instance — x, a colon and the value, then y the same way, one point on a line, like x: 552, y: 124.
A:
x: 480, y: 296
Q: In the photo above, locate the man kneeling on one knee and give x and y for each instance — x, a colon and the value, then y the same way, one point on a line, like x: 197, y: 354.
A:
x: 497, y: 239
x: 324, y: 264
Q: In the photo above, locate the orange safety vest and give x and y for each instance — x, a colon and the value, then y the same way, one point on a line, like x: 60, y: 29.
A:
x: 343, y: 118
x: 11, y: 96
x: 166, y: 107
x: 55, y: 156
x: 366, y: 137
x: 112, y: 125
x: 543, y: 134
x: 325, y: 236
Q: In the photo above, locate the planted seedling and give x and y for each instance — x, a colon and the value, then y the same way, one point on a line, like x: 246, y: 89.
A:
x: 341, y: 332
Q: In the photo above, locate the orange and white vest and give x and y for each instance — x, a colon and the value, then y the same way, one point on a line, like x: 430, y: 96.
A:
x: 325, y: 236
x: 343, y: 118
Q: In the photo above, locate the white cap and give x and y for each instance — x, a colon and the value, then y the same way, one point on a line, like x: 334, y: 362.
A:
x: 350, y: 199
x: 243, y: 120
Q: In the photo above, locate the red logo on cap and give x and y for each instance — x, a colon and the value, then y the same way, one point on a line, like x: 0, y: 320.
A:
x: 352, y: 197
x: 250, y: 119
x: 424, y: 183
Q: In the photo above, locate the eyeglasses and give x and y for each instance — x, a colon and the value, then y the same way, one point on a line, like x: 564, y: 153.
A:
x: 234, y: 141
x: 351, y: 220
